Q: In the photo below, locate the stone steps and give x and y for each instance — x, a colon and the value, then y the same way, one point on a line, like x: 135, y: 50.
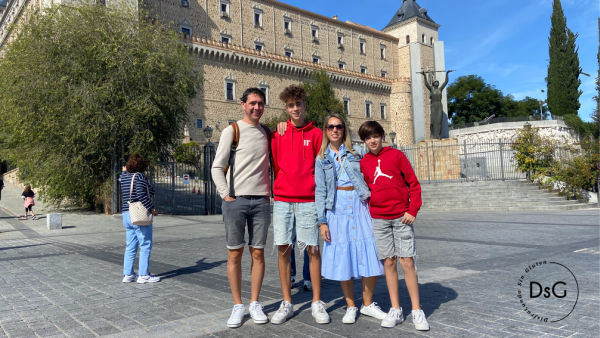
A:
x: 493, y: 196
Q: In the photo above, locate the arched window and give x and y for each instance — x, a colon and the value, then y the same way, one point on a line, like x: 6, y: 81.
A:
x: 423, y: 38
x: 431, y: 41
x: 408, y: 39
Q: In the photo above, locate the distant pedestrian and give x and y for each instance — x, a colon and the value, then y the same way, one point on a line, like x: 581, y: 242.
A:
x: 137, y: 236
x: 27, y: 196
x: 242, y: 180
x: 395, y: 201
x: 341, y: 196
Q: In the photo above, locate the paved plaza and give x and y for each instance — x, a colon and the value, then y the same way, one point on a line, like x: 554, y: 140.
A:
x: 68, y: 282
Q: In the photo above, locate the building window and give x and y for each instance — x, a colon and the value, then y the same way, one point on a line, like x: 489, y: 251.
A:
x: 287, y: 25
x: 363, y: 70
x: 340, y: 39
x: 288, y: 52
x: 431, y: 41
x: 199, y: 123
x: 184, y: 3
x: 316, y: 59
x: 347, y: 106
x: 368, y: 109
x: 258, y: 17
x: 186, y: 31
x: 265, y: 89
x: 383, y: 73
x: 229, y: 90
x: 225, y: 38
x: 314, y: 31
x: 423, y: 38
x: 382, y: 111
x: 382, y: 51
x: 408, y: 39
x: 363, y: 46
x: 341, y: 65
x: 224, y: 8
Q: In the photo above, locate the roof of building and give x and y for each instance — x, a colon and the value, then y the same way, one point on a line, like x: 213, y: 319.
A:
x: 409, y: 9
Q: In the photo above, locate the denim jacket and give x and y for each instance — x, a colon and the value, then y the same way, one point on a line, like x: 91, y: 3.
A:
x: 326, y: 180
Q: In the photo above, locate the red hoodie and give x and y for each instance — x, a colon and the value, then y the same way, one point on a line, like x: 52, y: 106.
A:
x: 394, y: 186
x: 294, y: 156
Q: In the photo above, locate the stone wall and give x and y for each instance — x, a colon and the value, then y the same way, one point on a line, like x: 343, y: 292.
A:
x: 505, y: 132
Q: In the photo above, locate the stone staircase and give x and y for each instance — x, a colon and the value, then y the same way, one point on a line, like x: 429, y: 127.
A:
x: 494, y: 196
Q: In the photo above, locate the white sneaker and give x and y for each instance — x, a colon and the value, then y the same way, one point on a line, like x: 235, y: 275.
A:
x: 148, y: 279
x: 257, y: 314
x: 373, y: 310
x: 350, y: 316
x: 418, y: 317
x: 129, y: 278
x: 307, y: 285
x: 285, y: 312
x: 237, y: 314
x: 318, y: 312
x: 393, y: 318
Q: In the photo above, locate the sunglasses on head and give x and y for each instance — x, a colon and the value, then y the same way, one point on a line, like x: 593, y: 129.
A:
x: 335, y: 126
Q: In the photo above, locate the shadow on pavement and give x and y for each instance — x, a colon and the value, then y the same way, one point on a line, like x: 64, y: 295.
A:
x: 21, y: 246
x: 432, y: 295
x: 199, y: 267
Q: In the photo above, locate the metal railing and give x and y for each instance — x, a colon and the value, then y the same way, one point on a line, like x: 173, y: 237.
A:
x: 445, y: 162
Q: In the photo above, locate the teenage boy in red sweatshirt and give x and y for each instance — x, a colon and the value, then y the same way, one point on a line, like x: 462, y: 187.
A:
x: 294, y: 156
x: 395, y: 201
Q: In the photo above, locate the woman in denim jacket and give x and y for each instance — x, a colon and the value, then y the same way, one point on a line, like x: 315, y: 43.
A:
x: 345, y: 223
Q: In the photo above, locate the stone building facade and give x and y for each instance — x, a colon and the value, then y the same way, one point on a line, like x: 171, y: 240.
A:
x: 269, y: 44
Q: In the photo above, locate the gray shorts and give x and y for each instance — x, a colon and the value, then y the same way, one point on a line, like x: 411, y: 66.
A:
x: 394, y: 238
x: 251, y: 211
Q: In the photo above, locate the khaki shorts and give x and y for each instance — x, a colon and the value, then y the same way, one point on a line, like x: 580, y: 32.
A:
x: 394, y: 238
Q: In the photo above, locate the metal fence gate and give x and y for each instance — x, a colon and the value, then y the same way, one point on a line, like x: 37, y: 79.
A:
x: 185, y: 189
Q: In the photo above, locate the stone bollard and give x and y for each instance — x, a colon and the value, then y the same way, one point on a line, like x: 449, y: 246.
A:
x: 54, y: 221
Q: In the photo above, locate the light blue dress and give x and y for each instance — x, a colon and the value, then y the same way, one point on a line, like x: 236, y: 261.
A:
x: 351, y: 252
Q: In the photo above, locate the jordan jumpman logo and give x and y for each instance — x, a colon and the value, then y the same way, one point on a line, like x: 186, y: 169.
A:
x: 378, y: 172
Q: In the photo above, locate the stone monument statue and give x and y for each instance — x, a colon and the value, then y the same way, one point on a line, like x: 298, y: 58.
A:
x: 436, y: 108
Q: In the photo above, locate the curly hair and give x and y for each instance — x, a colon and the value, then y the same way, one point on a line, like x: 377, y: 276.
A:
x: 292, y: 92
x: 137, y: 163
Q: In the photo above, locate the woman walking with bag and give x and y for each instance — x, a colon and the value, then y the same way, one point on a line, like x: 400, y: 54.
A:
x: 341, y: 193
x: 137, y: 205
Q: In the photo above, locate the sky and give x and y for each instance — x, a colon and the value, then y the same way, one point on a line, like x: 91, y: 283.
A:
x: 503, y: 41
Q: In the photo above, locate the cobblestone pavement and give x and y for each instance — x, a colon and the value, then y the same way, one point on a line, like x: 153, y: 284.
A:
x: 68, y: 282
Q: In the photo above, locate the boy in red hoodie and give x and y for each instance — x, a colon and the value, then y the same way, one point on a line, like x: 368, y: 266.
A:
x: 294, y: 156
x: 395, y: 201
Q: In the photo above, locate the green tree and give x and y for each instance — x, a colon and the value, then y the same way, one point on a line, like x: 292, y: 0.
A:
x: 82, y: 85
x: 189, y: 153
x: 320, y: 99
x: 470, y: 99
x: 563, y: 68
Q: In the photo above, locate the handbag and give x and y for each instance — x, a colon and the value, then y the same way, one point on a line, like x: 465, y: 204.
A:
x: 137, y: 211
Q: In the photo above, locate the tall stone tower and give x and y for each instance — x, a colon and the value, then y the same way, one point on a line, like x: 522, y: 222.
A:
x: 419, y: 49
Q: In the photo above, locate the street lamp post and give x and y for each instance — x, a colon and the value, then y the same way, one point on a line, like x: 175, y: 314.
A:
x: 209, y: 186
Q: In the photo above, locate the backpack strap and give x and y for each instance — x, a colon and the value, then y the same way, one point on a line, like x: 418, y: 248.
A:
x: 235, y: 140
x: 271, y: 173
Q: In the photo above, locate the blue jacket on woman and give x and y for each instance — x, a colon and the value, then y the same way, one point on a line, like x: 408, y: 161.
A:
x: 326, y: 179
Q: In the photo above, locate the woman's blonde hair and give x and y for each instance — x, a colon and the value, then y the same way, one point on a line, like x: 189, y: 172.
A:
x: 346, y: 139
